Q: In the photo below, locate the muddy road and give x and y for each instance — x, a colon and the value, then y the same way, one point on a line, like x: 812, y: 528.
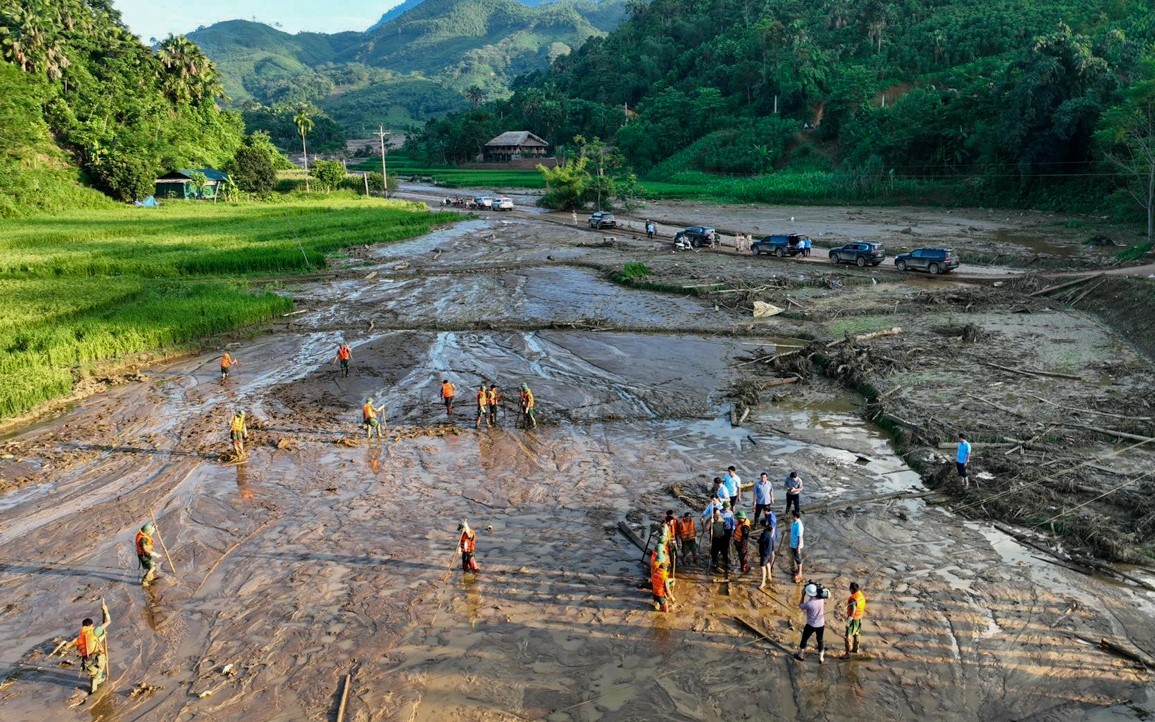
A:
x: 325, y: 555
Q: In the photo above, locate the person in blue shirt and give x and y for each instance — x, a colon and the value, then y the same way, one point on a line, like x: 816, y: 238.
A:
x: 806, y: 247
x: 796, y: 543
x: 733, y: 484
x: 963, y: 459
x: 715, y: 503
x: 766, y: 544
x: 763, y: 496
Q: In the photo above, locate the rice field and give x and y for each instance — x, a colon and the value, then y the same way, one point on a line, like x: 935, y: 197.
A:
x: 79, y: 291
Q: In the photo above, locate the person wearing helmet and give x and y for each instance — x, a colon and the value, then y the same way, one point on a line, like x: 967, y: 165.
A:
x: 92, y: 646
x: 742, y: 529
x: 145, y: 553
x: 482, y: 407
x: 688, y: 537
x: 855, y: 611
x: 527, y: 403
x: 369, y: 418
x: 815, y: 607
x: 238, y: 431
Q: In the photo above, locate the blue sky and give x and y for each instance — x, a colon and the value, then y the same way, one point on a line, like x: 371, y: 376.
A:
x: 158, y: 18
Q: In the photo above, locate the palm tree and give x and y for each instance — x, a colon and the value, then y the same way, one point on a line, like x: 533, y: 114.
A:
x: 475, y: 95
x: 188, y: 75
x: 304, y: 123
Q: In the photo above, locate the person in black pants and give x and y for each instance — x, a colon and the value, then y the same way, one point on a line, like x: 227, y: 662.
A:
x: 793, y: 491
x: 719, y: 541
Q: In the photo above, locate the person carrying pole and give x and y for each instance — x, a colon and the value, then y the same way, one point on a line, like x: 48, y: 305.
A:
x: 227, y: 362
x: 344, y: 354
x: 92, y: 646
x: 369, y: 418
x: 145, y: 553
x: 855, y: 611
x: 688, y: 537
x: 482, y: 407
x: 467, y: 546
x: 494, y: 403
x: 448, y: 392
x: 238, y: 431
x: 662, y: 586
x: 527, y: 403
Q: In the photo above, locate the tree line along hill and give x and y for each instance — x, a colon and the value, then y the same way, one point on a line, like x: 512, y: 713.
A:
x: 1016, y: 102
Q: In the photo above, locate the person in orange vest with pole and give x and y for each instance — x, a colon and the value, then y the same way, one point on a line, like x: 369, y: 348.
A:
x: 467, y: 545
x: 482, y: 407
x: 527, y: 404
x: 448, y: 391
x: 92, y: 646
x: 688, y: 537
x: 227, y: 362
x: 238, y: 431
x: 369, y: 418
x: 855, y: 611
x: 145, y: 553
x: 494, y: 404
x: 662, y: 587
x: 344, y: 353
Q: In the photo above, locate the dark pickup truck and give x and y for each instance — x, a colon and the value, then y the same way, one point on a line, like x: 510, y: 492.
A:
x: 780, y: 245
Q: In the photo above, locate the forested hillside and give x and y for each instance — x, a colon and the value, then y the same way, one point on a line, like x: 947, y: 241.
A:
x: 438, y: 56
x: 1006, y: 95
x: 81, y: 92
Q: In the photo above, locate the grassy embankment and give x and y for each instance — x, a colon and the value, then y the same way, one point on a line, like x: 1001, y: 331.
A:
x: 84, y: 289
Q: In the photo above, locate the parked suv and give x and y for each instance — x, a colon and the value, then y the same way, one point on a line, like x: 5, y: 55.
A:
x: 931, y: 260
x: 503, y: 204
x: 695, y: 237
x: 602, y: 219
x: 780, y: 245
x: 859, y: 252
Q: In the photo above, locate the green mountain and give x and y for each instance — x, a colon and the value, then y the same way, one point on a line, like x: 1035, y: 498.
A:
x: 415, y: 66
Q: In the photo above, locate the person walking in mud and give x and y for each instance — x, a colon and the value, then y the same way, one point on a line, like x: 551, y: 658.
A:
x: 662, y: 586
x: 650, y: 228
x: 855, y: 611
x: 227, y: 362
x: 793, y: 491
x: 482, y: 407
x: 344, y: 355
x: 742, y: 530
x: 797, y: 530
x: 767, y: 542
x: 494, y: 401
x: 369, y: 418
x: 962, y: 460
x: 145, y: 553
x: 238, y: 432
x: 92, y: 646
x: 814, y: 605
x: 448, y: 392
x: 733, y: 484
x: 527, y: 403
x: 688, y: 537
x: 467, y: 547
x: 763, y: 496
x: 719, y: 542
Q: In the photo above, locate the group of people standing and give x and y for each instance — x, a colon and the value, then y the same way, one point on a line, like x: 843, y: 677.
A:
x: 729, y: 528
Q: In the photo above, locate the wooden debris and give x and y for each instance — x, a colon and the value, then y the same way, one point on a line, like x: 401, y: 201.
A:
x: 1033, y: 372
x: 896, y: 330
x: 1112, y: 432
x: 834, y: 505
x: 344, y: 698
x: 1061, y: 286
x: 629, y: 534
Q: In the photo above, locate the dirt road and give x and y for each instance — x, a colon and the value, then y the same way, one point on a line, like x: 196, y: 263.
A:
x: 326, y: 555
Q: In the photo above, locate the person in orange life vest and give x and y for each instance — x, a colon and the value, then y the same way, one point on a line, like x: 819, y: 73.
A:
x: 227, y: 362
x: 238, y: 431
x: 670, y: 534
x: 466, y: 547
x: 92, y: 646
x: 344, y: 354
x: 662, y: 587
x: 482, y: 406
x: 448, y: 391
x: 688, y: 537
x: 855, y: 611
x: 369, y: 418
x: 494, y: 402
x: 742, y: 529
x: 527, y: 403
x: 145, y: 553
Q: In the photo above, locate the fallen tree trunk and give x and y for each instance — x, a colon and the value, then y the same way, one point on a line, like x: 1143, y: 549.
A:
x: 629, y: 534
x: 1068, y: 284
x: 1032, y: 372
x: 1112, y: 432
x: 896, y: 330
x: 834, y: 505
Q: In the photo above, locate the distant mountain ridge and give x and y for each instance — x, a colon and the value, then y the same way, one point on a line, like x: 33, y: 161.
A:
x: 416, y: 63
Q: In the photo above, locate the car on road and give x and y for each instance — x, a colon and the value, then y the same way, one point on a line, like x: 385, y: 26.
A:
x: 931, y: 260
x: 860, y: 253
x: 482, y: 202
x: 602, y: 219
x: 780, y: 245
x: 695, y: 237
x: 503, y: 203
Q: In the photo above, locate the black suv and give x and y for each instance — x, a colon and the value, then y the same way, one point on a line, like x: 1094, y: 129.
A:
x: 859, y: 252
x: 931, y: 260
x: 602, y: 219
x: 780, y: 245
x: 696, y: 236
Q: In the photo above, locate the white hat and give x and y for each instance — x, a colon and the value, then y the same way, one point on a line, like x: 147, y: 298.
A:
x: 811, y: 590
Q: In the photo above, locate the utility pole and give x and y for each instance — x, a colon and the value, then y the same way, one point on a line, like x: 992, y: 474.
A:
x: 384, y: 174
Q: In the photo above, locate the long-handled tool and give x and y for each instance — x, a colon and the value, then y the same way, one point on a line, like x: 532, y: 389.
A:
x: 156, y: 528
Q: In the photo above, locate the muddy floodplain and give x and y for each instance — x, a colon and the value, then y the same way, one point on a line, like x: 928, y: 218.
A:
x: 326, y: 564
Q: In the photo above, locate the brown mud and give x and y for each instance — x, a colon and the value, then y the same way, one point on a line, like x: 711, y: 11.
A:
x: 325, y: 555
